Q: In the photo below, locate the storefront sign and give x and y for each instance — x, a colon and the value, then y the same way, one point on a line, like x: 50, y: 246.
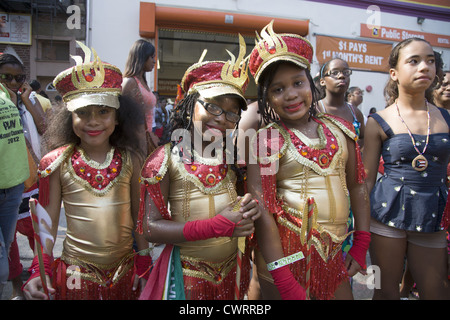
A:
x: 15, y: 28
x: 397, y: 35
x: 168, y: 87
x: 362, y: 55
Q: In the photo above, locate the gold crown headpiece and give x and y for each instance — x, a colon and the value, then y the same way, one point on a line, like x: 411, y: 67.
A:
x: 271, y: 47
x: 215, y: 78
x: 89, y: 82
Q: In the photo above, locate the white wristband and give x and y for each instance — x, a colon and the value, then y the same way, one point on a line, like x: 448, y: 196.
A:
x: 285, y: 261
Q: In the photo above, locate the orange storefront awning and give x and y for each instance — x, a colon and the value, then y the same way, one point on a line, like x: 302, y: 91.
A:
x: 153, y: 17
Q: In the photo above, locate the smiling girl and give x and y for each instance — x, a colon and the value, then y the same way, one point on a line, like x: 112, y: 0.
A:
x: 408, y: 201
x: 303, y: 155
x: 93, y: 172
x: 206, y: 215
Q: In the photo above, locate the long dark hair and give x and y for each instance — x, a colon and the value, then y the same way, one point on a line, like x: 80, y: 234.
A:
x: 138, y: 55
x: 266, y: 78
x: 391, y: 88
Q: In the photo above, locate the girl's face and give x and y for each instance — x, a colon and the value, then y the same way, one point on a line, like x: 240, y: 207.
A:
x: 289, y: 93
x: 415, y: 68
x: 442, y: 95
x: 149, y: 64
x: 215, y: 116
x: 335, y: 79
x: 12, y: 76
x: 94, y: 125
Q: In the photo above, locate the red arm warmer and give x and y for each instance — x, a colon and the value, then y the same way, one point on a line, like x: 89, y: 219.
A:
x: 288, y: 287
x: 361, y: 241
x: 219, y: 226
x: 34, y: 268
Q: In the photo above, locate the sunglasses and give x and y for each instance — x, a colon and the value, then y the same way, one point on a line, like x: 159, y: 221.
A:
x: 9, y: 77
x: 217, y: 111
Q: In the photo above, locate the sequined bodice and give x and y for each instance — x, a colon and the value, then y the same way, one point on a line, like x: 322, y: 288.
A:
x: 200, y: 191
x: 299, y: 179
x: 99, y: 222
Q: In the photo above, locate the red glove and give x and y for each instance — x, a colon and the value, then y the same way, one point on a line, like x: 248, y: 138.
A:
x: 219, y: 226
x: 286, y: 284
x: 358, y: 251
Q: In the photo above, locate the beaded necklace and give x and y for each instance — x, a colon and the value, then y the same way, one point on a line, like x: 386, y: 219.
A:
x: 419, y: 163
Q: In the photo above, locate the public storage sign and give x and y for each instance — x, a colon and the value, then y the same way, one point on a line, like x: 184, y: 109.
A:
x: 397, y: 35
x: 359, y: 54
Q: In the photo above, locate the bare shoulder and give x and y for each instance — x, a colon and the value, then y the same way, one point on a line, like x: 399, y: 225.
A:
x: 129, y: 84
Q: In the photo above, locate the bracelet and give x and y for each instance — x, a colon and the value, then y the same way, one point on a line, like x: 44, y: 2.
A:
x: 285, y: 261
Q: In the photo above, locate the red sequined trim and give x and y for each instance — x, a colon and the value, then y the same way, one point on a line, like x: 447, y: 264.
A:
x: 323, y: 157
x: 98, y: 179
x: 208, y: 175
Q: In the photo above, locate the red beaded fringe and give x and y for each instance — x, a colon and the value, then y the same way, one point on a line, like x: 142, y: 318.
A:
x: 201, y: 289
x: 154, y: 190
x: 445, y: 221
x: 89, y: 290
x: 325, y: 276
x: 140, y: 222
x: 361, y: 174
x: 44, y: 190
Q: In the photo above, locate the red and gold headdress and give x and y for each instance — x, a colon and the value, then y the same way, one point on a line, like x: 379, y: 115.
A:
x: 89, y: 82
x: 271, y: 47
x: 215, y: 78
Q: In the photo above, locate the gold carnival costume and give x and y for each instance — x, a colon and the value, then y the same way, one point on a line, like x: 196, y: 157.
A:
x: 97, y: 260
x: 97, y: 206
x: 199, y: 189
x: 302, y: 175
x: 295, y: 169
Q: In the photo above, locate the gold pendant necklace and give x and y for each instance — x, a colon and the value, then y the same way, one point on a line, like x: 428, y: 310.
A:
x: 419, y: 163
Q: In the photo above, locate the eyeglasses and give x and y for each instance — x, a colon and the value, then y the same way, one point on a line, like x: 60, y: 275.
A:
x: 217, y: 111
x: 9, y: 77
x: 335, y: 73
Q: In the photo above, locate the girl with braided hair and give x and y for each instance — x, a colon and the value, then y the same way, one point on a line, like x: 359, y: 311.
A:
x: 303, y: 173
x: 205, y: 228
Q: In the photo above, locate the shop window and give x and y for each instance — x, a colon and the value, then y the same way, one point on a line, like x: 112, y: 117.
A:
x: 179, y: 49
x: 51, y: 50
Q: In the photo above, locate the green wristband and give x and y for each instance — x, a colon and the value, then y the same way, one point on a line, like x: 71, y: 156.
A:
x: 285, y: 261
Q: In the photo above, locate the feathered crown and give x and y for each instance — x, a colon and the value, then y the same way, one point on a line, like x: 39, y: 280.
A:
x: 89, y: 82
x: 271, y: 47
x: 215, y: 78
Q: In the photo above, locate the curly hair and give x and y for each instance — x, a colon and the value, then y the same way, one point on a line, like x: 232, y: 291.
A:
x: 268, y: 114
x: 125, y: 136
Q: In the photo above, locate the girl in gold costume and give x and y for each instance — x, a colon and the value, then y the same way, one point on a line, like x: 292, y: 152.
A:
x: 306, y: 166
x: 189, y: 192
x: 93, y: 172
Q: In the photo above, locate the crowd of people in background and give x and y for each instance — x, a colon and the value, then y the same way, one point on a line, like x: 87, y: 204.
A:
x: 345, y: 183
